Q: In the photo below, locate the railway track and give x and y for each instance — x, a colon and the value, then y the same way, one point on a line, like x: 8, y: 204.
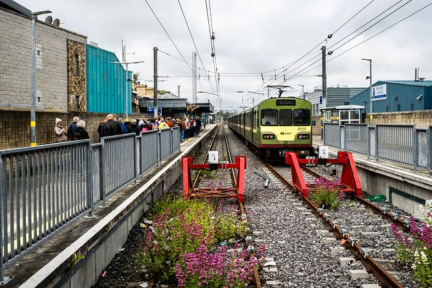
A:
x: 221, y: 179
x: 226, y: 178
x: 374, y: 236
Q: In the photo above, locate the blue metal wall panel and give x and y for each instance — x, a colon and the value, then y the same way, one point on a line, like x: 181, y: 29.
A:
x: 400, y: 97
x: 106, y: 82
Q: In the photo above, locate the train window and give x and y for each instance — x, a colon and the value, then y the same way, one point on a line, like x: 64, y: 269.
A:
x: 301, y: 117
x: 269, y: 117
x: 285, y: 117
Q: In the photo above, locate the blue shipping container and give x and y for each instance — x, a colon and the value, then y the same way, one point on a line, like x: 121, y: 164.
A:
x: 106, y: 83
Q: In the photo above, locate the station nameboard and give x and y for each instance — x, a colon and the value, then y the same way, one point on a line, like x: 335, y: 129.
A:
x: 379, y: 92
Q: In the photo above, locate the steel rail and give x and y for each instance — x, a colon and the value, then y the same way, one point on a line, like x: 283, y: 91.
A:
x: 389, y: 216
x: 195, y: 182
x: 257, y: 280
x: 372, y: 266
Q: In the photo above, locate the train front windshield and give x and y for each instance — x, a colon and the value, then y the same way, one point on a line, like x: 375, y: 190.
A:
x: 301, y: 117
x: 269, y: 117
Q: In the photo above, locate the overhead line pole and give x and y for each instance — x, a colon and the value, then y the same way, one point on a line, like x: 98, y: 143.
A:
x: 324, y: 87
x: 155, y: 82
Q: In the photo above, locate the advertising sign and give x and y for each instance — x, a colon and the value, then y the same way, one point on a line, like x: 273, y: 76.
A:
x: 379, y: 92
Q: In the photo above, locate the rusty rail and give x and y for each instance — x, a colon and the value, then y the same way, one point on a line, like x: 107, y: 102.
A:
x: 372, y: 266
x: 257, y: 280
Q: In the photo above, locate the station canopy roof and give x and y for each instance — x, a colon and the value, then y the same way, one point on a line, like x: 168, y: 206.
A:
x: 178, y: 103
x: 201, y: 107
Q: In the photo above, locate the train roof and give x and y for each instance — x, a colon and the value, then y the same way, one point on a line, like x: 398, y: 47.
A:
x: 271, y: 99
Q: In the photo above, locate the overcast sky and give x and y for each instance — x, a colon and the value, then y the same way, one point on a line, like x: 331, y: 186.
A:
x: 255, y: 36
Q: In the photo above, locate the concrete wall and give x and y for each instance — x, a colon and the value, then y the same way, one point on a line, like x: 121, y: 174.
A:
x: 51, y: 62
x: 421, y: 118
x: 15, y: 126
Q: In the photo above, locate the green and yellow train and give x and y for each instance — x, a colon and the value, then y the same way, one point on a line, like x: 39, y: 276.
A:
x: 275, y: 126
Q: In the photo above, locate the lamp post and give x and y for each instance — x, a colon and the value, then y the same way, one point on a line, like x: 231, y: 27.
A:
x: 33, y: 141
x: 126, y: 86
x: 370, y: 89
x: 302, y: 90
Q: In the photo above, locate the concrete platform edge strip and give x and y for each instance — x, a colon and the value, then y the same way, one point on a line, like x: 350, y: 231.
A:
x: 39, y: 277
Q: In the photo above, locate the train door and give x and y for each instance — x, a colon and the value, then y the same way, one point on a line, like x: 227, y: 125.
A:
x: 251, y: 123
x: 244, y: 125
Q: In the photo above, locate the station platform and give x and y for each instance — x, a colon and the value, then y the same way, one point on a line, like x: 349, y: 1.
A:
x: 403, y: 187
x: 77, y: 254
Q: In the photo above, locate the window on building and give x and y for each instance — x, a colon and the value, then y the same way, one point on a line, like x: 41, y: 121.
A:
x: 269, y: 117
x: 76, y: 65
x: 285, y: 117
x: 398, y: 107
x: 412, y: 106
x: 301, y: 117
x: 77, y: 102
x: 387, y: 109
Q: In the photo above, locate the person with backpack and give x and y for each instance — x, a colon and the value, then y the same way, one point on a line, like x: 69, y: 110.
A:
x: 72, y: 128
x: 80, y: 133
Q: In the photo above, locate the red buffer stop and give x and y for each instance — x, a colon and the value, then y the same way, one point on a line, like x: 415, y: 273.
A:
x: 195, y: 192
x: 350, y: 182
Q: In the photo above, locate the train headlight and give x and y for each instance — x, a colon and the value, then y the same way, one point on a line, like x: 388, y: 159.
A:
x: 303, y: 136
x: 268, y: 136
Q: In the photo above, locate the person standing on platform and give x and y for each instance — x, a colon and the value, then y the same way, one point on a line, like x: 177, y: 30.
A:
x: 72, y: 128
x: 80, y: 132
x: 198, y: 125
x: 111, y: 127
x: 59, y: 131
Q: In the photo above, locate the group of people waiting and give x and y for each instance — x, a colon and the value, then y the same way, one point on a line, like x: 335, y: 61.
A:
x: 189, y: 127
x: 76, y: 130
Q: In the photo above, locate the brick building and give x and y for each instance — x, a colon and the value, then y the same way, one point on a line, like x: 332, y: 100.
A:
x: 60, y: 63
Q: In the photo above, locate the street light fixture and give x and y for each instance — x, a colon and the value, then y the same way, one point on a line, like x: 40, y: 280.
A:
x: 204, y: 92
x: 33, y: 141
x: 127, y: 80
x: 370, y: 89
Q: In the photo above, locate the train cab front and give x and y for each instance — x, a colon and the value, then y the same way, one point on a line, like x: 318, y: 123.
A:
x: 280, y: 140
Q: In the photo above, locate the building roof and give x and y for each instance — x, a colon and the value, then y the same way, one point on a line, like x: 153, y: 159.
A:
x: 344, y: 107
x: 409, y: 82
x: 14, y: 6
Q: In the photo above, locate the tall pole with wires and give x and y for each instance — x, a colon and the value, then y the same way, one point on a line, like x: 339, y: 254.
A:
x: 324, y: 77
x: 194, y: 78
x: 155, y: 82
x: 324, y: 89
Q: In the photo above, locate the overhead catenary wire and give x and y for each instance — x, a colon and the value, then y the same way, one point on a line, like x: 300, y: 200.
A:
x: 379, y: 21
x: 311, y: 50
x: 386, y: 10
x: 319, y: 54
x: 172, y: 41
x: 371, y: 37
x: 212, y: 45
x: 193, y: 40
x: 352, y: 17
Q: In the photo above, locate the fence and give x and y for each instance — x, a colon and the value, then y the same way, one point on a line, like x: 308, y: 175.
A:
x: 42, y: 189
x: 402, y: 144
x: 332, y: 135
x: 45, y: 187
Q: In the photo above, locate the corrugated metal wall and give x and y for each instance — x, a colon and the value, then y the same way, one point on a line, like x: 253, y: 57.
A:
x: 336, y: 96
x: 106, y: 82
x: 400, y: 97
